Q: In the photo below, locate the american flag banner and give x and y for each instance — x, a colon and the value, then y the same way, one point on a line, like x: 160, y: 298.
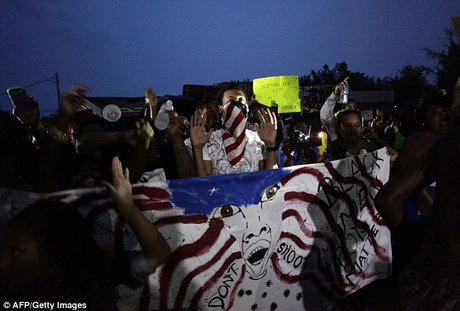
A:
x: 292, y: 239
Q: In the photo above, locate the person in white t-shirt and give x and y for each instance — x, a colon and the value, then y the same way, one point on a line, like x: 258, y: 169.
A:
x: 234, y: 148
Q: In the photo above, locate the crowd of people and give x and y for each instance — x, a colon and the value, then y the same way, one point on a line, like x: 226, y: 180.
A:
x: 236, y: 134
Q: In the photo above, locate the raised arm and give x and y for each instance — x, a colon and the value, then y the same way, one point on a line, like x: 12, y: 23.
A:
x: 151, y: 99
x: 389, y: 200
x: 267, y: 133
x: 155, y: 248
x: 184, y: 162
x: 411, y: 151
x: 326, y: 114
x: 138, y: 158
x: 199, y: 137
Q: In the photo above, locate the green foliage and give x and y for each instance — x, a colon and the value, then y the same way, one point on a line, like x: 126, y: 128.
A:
x: 409, y: 83
x: 448, y: 68
x: 359, y: 80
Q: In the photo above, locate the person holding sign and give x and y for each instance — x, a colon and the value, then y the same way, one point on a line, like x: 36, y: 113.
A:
x: 234, y: 148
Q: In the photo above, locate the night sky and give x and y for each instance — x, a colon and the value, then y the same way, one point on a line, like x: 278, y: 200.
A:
x: 117, y: 48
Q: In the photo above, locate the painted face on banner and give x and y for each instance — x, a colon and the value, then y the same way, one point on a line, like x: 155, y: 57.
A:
x: 256, y: 227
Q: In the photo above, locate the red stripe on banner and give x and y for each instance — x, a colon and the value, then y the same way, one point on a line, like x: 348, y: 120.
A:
x: 213, y: 280
x: 313, y: 199
x: 145, y: 205
x: 374, y: 181
x: 289, y: 279
x: 188, y: 279
x: 183, y: 252
x: 322, y: 268
x: 183, y: 219
x: 305, y: 229
x: 145, y: 296
x: 301, y: 244
x: 362, y: 275
x: 377, y: 184
x: 237, y: 285
x: 379, y: 251
x: 158, y: 194
x: 303, y: 170
x: 88, y: 198
x: 353, y: 180
x: 318, y: 235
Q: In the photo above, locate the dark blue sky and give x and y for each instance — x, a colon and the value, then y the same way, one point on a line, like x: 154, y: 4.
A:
x: 117, y: 48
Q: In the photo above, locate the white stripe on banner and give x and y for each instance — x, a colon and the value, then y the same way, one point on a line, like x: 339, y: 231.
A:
x: 291, y: 239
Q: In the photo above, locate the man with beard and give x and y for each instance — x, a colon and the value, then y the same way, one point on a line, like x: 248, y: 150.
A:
x: 234, y: 148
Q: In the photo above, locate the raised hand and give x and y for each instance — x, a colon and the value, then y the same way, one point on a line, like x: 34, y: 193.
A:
x: 268, y: 126
x: 198, y: 135
x: 151, y: 97
x: 144, y: 131
x: 73, y: 99
x: 155, y: 248
x: 339, y: 87
x: 173, y: 129
x: 393, y: 153
x: 120, y: 188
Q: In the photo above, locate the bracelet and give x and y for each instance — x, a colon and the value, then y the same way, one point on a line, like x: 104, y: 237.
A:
x: 271, y: 149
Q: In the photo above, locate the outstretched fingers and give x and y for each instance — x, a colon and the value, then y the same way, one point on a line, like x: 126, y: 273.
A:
x: 263, y: 122
x: 272, y: 117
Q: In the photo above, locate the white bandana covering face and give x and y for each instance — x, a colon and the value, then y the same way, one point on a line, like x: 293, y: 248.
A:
x: 234, y: 118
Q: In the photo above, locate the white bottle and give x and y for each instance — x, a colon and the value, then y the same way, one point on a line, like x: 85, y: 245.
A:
x: 162, y: 119
x: 344, y: 94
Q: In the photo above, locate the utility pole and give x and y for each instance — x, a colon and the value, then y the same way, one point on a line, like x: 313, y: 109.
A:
x: 56, y: 79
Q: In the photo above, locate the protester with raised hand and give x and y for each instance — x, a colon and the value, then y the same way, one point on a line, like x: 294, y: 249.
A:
x: 155, y: 248
x: 234, y: 148
x: 327, y: 110
x: 94, y: 138
x: 185, y: 168
x: 151, y: 100
x: 199, y: 137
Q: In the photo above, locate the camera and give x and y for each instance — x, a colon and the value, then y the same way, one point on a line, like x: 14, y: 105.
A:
x: 298, y: 140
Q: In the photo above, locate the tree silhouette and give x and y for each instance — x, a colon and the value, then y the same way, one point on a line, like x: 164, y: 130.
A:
x: 448, y: 68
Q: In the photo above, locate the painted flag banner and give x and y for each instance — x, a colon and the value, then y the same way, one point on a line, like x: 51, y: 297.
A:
x: 291, y: 239
x: 283, y: 90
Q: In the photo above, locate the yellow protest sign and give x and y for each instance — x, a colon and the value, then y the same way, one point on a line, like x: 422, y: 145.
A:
x: 282, y: 90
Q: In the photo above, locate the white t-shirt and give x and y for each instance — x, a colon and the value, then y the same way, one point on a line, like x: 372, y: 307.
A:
x: 214, y: 151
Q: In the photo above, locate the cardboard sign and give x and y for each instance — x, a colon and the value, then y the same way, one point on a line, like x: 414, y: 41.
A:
x: 282, y: 90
